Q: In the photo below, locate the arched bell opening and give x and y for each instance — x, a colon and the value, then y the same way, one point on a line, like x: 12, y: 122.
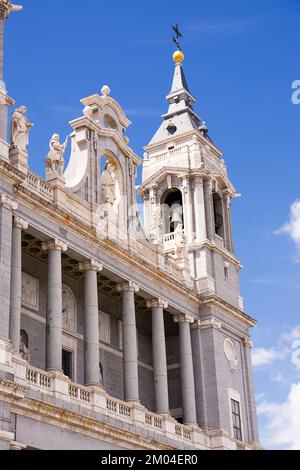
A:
x: 218, y: 215
x: 172, y: 211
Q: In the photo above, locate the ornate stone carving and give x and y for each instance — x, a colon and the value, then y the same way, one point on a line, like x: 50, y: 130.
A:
x: 55, y: 245
x: 30, y: 290
x: 230, y: 353
x: 19, y: 131
x: 8, y: 203
x: 128, y: 286
x: 183, y: 318
x: 68, y: 309
x: 55, y: 158
x: 155, y: 303
x: 110, y: 190
x: 180, y: 243
x: 91, y: 266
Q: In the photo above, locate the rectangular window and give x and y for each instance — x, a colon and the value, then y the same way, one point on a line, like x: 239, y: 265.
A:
x: 236, y: 420
x: 67, y: 363
x: 105, y: 327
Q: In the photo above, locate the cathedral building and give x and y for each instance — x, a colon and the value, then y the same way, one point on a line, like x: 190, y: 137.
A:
x: 120, y: 328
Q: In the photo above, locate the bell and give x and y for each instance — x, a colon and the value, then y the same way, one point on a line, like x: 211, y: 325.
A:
x: 176, y: 216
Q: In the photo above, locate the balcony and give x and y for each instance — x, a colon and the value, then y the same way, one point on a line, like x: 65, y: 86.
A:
x: 95, y: 399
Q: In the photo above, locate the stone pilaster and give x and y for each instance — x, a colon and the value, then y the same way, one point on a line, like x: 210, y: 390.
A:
x: 130, y: 353
x: 91, y: 322
x: 54, y: 305
x: 7, y: 207
x: 199, y: 209
x: 160, y: 374
x: 16, y: 282
x: 188, y: 210
x: 209, y: 210
x: 187, y: 369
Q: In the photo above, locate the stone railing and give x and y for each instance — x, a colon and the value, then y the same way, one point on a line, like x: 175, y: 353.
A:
x: 80, y: 393
x: 169, y: 241
x: 170, y: 154
x: 219, y: 241
x: 153, y: 420
x: 39, y: 185
x: 183, y: 431
x: 39, y: 378
x: 118, y: 407
x: 134, y: 414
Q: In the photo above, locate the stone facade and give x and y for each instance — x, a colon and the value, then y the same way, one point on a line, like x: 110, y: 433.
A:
x: 118, y: 333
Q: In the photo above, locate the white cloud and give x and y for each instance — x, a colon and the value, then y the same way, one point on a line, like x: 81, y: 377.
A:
x: 292, y: 228
x: 291, y: 335
x: 265, y: 357
x: 282, y: 429
x: 278, y: 377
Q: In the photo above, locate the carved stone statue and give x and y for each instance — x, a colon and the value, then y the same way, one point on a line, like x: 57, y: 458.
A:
x: 24, y: 351
x: 19, y: 130
x: 55, y: 158
x: 156, y: 224
x: 180, y: 243
x: 68, y: 309
x: 109, y: 189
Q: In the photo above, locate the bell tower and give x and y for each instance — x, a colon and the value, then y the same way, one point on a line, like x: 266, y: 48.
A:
x: 185, y: 185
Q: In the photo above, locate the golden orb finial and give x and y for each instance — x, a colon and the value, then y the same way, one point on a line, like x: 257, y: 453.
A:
x: 178, y: 57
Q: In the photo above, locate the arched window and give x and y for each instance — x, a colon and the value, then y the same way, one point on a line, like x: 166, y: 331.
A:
x: 172, y: 211
x: 218, y: 215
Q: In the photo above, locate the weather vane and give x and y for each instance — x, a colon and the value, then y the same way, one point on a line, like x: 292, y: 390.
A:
x: 177, y: 36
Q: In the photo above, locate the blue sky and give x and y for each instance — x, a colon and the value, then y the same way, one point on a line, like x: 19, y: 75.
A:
x: 241, y: 60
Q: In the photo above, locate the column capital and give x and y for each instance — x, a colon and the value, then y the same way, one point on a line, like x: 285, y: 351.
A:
x: 7, y: 202
x: 183, y: 318
x: 91, y: 265
x: 54, y: 245
x: 128, y: 286
x: 157, y: 303
x: 20, y: 223
x: 247, y: 342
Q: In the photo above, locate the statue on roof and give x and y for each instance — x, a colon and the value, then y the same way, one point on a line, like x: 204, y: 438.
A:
x: 55, y: 159
x: 19, y: 129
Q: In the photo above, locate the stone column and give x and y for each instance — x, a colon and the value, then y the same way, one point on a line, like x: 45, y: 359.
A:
x: 187, y: 370
x: 130, y: 353
x: 16, y: 282
x: 54, y: 305
x: 7, y: 206
x: 160, y: 374
x: 209, y: 210
x: 91, y: 322
x: 199, y: 209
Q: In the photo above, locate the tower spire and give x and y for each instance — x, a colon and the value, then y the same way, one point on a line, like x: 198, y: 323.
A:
x: 181, y: 116
x: 6, y: 7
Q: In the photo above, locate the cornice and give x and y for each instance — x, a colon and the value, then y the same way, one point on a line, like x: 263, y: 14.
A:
x: 93, y: 427
x: 233, y: 312
x: 185, y: 135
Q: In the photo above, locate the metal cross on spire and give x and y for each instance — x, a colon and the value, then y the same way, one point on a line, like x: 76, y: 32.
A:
x: 177, y: 36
